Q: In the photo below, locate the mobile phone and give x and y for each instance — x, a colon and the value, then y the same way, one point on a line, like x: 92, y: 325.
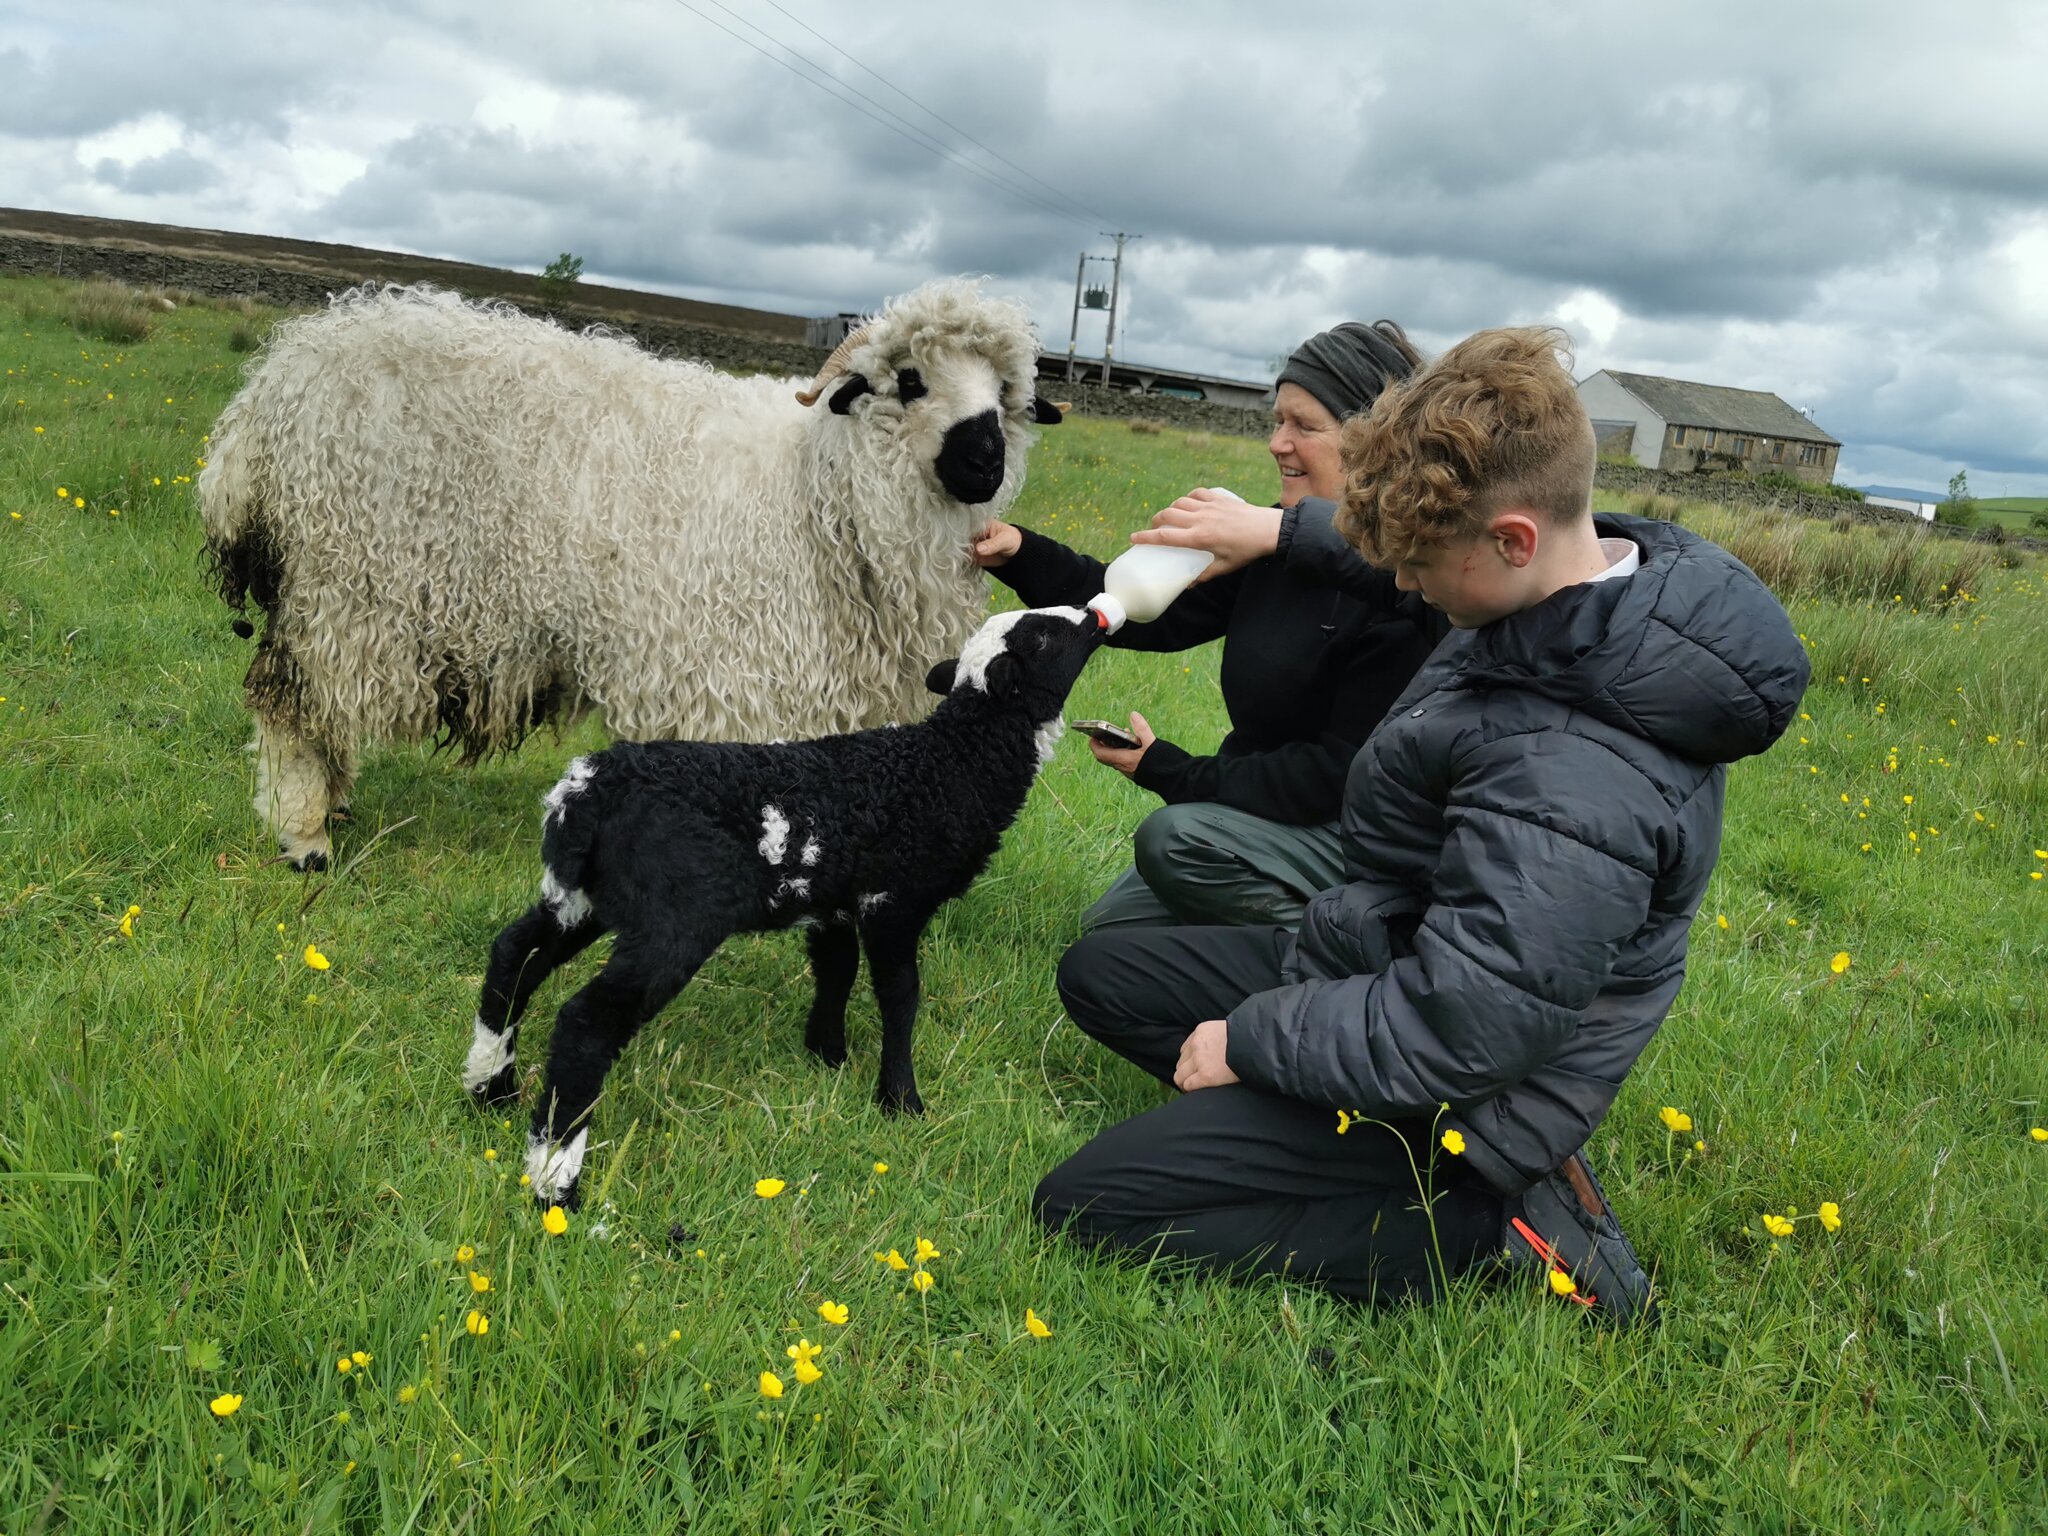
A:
x: 1102, y: 731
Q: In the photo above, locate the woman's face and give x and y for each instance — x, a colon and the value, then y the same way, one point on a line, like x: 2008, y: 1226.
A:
x: 1305, y: 445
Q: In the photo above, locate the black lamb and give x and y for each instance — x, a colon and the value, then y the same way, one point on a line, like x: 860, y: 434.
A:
x: 674, y: 845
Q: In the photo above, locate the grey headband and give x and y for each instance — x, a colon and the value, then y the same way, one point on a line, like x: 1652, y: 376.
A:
x: 1345, y: 367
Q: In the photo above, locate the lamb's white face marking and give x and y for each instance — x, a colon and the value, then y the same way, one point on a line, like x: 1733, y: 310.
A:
x: 992, y: 639
x: 774, y: 834
x: 982, y: 648
x: 571, y: 784
x: 490, y: 1052
x: 870, y: 900
x: 570, y: 907
x: 796, y: 886
x: 552, y: 1166
x: 811, y: 851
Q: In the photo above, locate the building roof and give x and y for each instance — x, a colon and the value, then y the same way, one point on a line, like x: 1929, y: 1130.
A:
x: 1685, y: 404
x: 1904, y: 493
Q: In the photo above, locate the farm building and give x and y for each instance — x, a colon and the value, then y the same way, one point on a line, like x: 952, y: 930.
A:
x: 1673, y: 424
x: 1901, y: 498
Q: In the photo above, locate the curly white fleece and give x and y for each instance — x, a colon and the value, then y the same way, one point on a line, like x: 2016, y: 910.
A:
x: 475, y: 510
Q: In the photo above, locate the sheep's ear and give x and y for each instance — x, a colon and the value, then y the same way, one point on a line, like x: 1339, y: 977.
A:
x: 1045, y: 412
x: 844, y: 396
x: 940, y: 679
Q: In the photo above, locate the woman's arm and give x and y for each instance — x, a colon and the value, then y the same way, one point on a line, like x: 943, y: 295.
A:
x: 1047, y: 574
x: 1299, y: 782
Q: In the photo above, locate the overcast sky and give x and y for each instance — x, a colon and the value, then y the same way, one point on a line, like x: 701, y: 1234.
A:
x: 1846, y: 203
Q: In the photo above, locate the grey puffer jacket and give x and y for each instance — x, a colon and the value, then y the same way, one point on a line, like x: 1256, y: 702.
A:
x: 1528, y: 836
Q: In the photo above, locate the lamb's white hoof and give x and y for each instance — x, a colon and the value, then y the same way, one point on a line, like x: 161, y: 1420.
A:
x: 553, y: 1167
x: 488, y: 1072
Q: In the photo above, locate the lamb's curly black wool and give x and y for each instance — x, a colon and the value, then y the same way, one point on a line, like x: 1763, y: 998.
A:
x: 672, y: 846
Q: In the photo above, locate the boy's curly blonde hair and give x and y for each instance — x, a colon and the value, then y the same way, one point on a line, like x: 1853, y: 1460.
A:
x: 1492, y: 424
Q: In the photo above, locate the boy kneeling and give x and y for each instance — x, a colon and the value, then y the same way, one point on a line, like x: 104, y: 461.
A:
x: 1529, y: 833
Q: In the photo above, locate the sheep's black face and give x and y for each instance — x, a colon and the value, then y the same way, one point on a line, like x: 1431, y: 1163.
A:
x: 970, y: 461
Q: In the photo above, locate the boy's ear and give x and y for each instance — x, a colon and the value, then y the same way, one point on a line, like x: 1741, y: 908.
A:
x: 1516, y: 535
x: 940, y: 679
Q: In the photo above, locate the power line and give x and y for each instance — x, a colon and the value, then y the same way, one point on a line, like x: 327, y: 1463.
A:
x: 970, y: 138
x: 921, y: 136
x: 914, y: 134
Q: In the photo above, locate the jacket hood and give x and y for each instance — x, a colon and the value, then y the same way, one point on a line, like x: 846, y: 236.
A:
x: 1692, y: 652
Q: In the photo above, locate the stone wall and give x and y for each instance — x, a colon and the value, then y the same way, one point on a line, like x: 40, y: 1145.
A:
x: 1189, y: 415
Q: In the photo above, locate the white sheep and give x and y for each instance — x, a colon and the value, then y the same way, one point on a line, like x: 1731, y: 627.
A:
x: 462, y: 520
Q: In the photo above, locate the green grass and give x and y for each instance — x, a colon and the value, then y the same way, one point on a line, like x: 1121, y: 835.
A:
x: 221, y: 1171
x: 2014, y: 512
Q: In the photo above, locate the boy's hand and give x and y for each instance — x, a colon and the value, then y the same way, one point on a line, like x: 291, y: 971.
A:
x: 1125, y: 759
x: 1202, y: 1063
x: 1234, y: 532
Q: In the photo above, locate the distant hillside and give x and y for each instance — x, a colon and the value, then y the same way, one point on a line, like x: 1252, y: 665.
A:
x: 23, y: 228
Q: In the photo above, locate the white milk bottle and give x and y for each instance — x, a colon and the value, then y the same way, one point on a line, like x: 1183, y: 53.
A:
x: 1143, y: 580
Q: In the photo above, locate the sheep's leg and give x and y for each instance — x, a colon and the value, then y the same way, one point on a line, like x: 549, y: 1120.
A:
x: 293, y: 779
x: 594, y: 1026
x: 835, y: 962
x: 892, y: 969
x: 530, y: 950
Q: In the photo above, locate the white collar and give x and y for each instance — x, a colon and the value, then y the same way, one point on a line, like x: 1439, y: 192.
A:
x: 1623, y: 559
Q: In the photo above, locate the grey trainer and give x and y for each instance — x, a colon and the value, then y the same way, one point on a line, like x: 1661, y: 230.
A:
x: 1563, y: 1224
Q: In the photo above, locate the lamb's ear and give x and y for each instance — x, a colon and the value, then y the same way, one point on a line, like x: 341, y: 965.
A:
x: 1047, y: 413
x: 844, y: 396
x: 940, y: 679
x: 1005, y: 676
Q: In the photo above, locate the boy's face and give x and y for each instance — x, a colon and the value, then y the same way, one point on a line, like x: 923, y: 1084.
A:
x: 1471, y: 581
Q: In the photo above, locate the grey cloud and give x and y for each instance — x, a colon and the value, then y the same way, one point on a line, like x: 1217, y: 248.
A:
x: 1795, y: 197
x: 174, y: 171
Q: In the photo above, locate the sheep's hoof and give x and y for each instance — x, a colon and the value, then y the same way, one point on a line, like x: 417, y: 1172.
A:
x: 569, y: 1199
x: 900, y: 1101
x: 831, y: 1052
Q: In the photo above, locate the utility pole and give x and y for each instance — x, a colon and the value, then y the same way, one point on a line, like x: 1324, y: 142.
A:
x: 1074, y: 331
x: 1115, y: 285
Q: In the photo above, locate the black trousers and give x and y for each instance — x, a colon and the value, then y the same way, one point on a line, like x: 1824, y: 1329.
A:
x: 1236, y: 1179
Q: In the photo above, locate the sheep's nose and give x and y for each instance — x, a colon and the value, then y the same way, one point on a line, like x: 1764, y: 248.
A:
x: 970, y: 461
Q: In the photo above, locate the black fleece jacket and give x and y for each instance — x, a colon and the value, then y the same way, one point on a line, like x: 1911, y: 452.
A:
x: 1313, y: 654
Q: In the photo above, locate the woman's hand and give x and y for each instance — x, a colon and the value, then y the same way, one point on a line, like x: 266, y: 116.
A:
x: 1203, y: 1058
x: 1125, y: 759
x: 1233, y: 531
x: 995, y: 544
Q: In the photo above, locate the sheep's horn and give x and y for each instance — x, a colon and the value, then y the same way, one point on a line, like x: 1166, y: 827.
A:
x: 835, y: 365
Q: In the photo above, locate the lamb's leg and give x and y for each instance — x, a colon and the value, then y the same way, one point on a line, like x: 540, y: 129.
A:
x: 531, y: 949
x: 293, y: 778
x: 835, y: 962
x: 892, y: 969
x: 644, y: 972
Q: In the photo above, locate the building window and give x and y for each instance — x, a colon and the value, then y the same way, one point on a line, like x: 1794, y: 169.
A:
x: 1678, y: 437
